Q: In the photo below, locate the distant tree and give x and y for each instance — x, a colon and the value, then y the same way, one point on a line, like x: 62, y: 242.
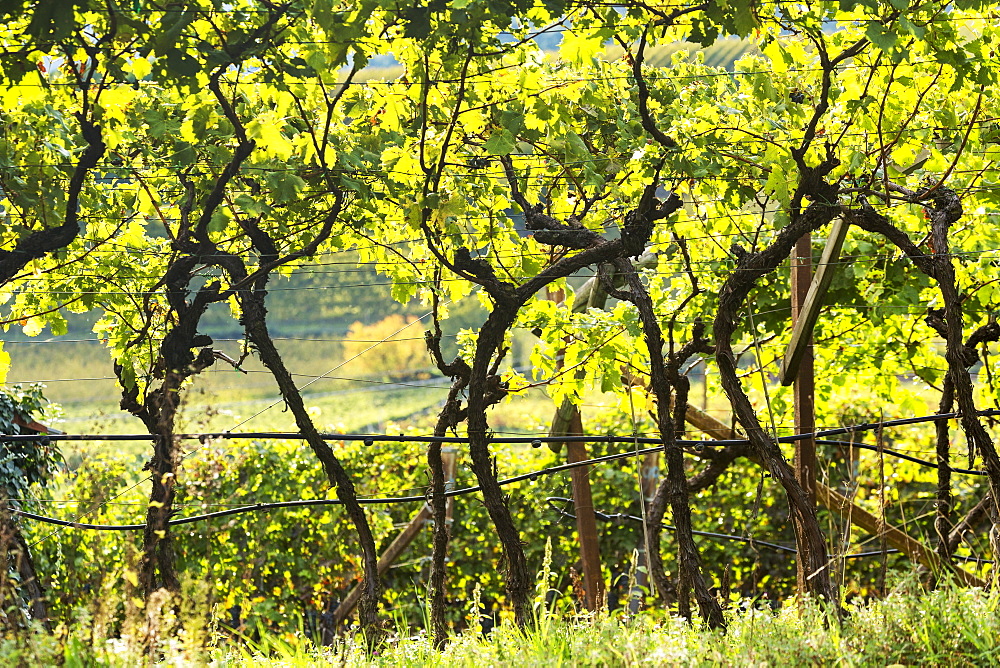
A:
x: 386, y: 349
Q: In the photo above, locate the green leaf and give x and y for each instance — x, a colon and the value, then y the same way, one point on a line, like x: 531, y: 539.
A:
x: 182, y: 64
x: 220, y: 219
x: 500, y: 143
x: 880, y: 37
x: 912, y: 28
x: 417, y: 22
x: 254, y: 206
x: 703, y: 32
x: 284, y: 186
x: 316, y: 60
x: 53, y: 20
x: 512, y: 120
x: 57, y: 325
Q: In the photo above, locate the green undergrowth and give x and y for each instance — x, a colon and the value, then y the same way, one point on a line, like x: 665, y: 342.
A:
x: 909, y: 627
x: 950, y: 626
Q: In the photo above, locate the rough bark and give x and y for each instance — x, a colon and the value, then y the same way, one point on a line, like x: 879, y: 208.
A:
x: 249, y: 288
x: 176, y: 359
x: 976, y: 515
x: 944, y: 209
x: 485, y: 386
x: 254, y: 321
x: 942, y: 511
x: 182, y: 353
x: 519, y: 582
x: 158, y: 411
x: 812, y: 185
x: 442, y: 532
x: 664, y: 379
x: 449, y: 417
x: 719, y: 461
x: 945, y: 504
x: 751, y: 266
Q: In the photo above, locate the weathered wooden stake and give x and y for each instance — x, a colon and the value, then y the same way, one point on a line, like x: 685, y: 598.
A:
x: 806, y: 312
x: 916, y: 551
x: 586, y: 521
x: 805, y: 417
x: 403, y: 540
x: 448, y: 453
x: 911, y: 547
x: 567, y: 421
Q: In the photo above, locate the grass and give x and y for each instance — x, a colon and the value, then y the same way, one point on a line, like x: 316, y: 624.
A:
x: 948, y: 626
x: 952, y: 626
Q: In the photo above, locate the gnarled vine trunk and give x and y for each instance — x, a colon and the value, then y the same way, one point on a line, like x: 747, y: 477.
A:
x: 752, y: 266
x: 485, y: 387
x: 254, y: 320
x: 673, y: 489
x: 942, y: 511
x: 157, y: 408
x: 944, y: 209
x: 450, y: 416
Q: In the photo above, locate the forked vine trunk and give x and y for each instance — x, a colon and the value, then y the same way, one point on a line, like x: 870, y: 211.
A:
x: 449, y: 418
x: 673, y: 488
x: 183, y: 353
x: 944, y: 209
x: 485, y: 386
x: 751, y: 267
x: 518, y: 580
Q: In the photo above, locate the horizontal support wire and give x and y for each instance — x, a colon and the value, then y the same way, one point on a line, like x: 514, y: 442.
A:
x: 753, y: 542
x: 369, y: 439
x: 615, y: 517
x: 899, y: 455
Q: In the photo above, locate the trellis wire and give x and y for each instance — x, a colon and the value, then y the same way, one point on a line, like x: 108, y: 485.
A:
x: 616, y: 517
x: 537, y: 441
x: 534, y: 441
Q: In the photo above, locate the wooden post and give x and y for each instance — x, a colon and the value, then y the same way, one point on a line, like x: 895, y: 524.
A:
x: 806, y: 311
x: 405, y: 537
x: 804, y: 391
x: 911, y: 547
x: 567, y: 421
x: 448, y: 453
x: 586, y: 521
x: 390, y: 555
x: 708, y: 424
x: 805, y: 416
